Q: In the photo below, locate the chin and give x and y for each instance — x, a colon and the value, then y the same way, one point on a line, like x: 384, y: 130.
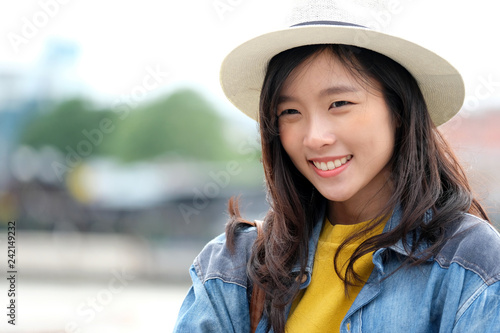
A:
x: 336, y: 197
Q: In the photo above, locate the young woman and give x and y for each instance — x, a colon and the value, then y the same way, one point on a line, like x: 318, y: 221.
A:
x: 372, y: 225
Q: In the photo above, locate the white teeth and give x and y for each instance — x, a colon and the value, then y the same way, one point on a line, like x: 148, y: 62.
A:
x: 330, y: 165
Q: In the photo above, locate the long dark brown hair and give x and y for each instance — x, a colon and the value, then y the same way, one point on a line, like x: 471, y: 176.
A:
x: 426, y: 176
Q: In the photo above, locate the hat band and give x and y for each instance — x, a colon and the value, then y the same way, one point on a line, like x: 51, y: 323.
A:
x: 328, y: 23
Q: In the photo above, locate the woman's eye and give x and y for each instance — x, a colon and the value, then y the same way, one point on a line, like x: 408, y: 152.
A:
x: 339, y: 104
x: 288, y: 111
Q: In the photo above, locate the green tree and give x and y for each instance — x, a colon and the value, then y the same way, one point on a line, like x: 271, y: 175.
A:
x: 183, y: 123
x: 65, y: 125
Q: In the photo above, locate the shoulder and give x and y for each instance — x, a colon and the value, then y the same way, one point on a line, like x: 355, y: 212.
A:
x: 473, y: 244
x: 216, y: 261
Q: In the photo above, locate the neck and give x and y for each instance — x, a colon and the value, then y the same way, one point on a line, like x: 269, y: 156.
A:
x: 355, y: 211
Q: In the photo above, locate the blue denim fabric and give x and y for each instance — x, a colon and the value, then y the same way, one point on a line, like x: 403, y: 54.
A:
x: 458, y: 290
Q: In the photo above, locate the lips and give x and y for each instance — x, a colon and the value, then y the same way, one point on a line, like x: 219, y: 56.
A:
x: 326, y: 164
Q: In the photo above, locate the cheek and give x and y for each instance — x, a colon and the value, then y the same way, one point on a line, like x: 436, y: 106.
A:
x: 287, y: 139
x: 374, y: 136
x: 292, y: 144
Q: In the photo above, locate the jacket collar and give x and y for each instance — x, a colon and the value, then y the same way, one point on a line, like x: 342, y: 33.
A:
x: 392, y: 223
x: 399, y: 248
x: 313, y: 242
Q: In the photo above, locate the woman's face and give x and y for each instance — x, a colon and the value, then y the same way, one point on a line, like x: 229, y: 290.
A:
x: 337, y: 131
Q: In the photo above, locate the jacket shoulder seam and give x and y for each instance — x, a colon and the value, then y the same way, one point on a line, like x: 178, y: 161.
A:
x: 466, y: 245
x: 224, y: 279
x: 216, y: 261
x: 473, y: 267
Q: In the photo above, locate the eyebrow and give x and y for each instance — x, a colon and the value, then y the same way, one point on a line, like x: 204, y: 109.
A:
x: 335, y: 90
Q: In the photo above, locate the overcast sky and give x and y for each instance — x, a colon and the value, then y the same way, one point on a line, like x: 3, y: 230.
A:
x: 119, y: 41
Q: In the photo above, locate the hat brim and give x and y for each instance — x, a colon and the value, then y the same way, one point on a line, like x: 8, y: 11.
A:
x: 243, y: 70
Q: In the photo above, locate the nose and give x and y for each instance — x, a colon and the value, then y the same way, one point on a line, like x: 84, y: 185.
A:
x: 319, y: 133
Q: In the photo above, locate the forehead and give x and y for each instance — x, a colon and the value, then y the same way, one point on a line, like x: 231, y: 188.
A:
x: 321, y: 67
x: 325, y: 71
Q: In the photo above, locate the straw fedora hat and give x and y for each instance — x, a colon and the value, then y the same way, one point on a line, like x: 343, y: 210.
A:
x: 340, y: 22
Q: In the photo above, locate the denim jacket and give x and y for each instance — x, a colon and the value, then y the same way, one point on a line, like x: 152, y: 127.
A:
x: 458, y: 290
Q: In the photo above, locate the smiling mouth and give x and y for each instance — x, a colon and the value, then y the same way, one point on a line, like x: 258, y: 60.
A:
x: 330, y: 165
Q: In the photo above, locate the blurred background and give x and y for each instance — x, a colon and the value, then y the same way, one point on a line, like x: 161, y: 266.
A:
x: 118, y: 151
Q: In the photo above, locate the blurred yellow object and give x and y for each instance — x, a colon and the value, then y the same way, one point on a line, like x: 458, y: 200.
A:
x: 75, y: 183
x: 8, y: 208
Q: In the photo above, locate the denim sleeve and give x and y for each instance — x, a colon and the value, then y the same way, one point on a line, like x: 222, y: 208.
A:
x: 483, y: 313
x: 218, y: 300
x: 213, y: 306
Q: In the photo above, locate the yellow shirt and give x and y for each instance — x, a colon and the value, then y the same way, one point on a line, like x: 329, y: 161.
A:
x: 323, y: 305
